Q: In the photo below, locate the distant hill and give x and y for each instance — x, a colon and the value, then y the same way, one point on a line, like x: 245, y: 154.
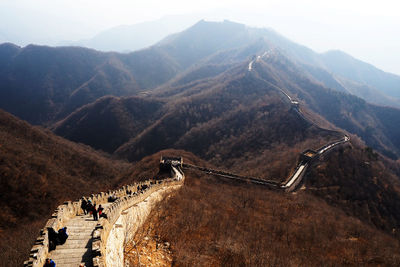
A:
x: 205, y: 39
x: 44, y: 84
x: 37, y: 81
x: 109, y: 122
x: 353, y: 69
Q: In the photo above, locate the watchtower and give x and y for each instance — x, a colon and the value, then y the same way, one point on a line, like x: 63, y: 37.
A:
x: 307, y: 155
x: 166, y: 164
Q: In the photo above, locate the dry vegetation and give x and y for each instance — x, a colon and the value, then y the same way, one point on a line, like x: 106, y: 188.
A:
x: 236, y: 118
x: 149, y: 252
x: 109, y: 122
x: 362, y: 183
x: 209, y: 223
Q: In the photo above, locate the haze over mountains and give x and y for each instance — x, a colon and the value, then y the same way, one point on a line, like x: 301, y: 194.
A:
x: 355, y: 76
x: 128, y: 38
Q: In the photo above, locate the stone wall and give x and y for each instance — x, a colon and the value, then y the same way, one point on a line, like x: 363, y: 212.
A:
x: 298, y: 180
x: 68, y: 210
x: 127, y: 224
x: 124, y: 217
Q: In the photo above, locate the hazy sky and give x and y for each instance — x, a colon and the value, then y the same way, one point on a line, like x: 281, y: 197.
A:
x: 368, y: 30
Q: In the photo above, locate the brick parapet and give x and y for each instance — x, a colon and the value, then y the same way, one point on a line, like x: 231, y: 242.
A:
x: 70, y: 209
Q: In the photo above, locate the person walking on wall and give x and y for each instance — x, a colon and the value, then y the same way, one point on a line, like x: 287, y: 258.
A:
x: 100, y: 210
x: 84, y: 206
x: 94, y: 211
x: 54, y: 240
x: 62, y: 235
x: 89, y: 207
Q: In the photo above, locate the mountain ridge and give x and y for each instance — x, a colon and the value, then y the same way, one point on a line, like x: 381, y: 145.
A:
x: 182, y: 60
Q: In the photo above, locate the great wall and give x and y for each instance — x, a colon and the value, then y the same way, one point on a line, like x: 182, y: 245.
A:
x: 101, y: 243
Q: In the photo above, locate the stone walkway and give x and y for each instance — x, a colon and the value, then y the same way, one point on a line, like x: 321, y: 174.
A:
x: 78, y: 247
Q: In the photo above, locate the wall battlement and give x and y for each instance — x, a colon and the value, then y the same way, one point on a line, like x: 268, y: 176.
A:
x: 128, y: 196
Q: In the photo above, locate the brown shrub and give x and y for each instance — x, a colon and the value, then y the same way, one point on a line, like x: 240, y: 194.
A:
x: 210, y: 223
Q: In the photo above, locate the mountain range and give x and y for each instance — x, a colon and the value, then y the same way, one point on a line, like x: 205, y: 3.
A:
x: 48, y: 86
x: 233, y: 97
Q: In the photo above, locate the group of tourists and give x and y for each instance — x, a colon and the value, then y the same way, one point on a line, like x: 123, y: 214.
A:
x: 112, y: 198
x: 89, y: 208
x: 60, y: 237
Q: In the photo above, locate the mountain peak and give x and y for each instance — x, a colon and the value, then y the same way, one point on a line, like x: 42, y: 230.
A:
x: 9, y: 46
x: 212, y: 26
x: 8, y: 50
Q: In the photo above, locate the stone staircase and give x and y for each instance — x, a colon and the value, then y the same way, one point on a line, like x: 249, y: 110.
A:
x: 85, y: 243
x: 78, y: 247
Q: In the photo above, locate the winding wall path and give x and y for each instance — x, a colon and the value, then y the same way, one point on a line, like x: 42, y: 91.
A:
x: 100, y: 243
x: 291, y: 182
x: 307, y: 156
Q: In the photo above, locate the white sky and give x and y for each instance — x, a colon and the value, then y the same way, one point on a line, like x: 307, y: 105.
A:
x: 368, y: 30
